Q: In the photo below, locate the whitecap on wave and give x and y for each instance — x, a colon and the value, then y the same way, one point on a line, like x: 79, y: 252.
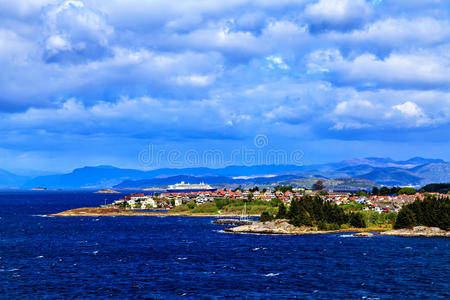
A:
x: 346, y: 235
x: 43, y: 216
x: 272, y: 274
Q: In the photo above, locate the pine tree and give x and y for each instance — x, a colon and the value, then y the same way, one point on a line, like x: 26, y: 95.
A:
x: 265, y: 216
x: 281, y: 212
x: 405, y: 219
x: 357, y: 220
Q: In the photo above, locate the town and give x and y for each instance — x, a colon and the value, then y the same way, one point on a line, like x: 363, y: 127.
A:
x: 381, y: 202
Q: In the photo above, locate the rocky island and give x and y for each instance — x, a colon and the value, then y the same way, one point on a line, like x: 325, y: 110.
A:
x: 419, y: 231
x: 107, y: 191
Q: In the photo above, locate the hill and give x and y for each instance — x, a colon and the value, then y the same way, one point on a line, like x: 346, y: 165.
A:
x: 383, y: 171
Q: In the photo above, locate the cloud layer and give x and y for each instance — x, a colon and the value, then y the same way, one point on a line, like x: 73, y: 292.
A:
x: 308, y: 74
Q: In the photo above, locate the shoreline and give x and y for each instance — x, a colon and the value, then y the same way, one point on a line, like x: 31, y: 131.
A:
x: 112, y: 212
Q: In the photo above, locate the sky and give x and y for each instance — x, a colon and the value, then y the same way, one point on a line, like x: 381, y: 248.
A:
x: 149, y: 84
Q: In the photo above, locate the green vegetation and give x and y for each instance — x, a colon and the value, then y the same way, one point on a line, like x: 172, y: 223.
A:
x: 282, y: 212
x: 385, y: 191
x: 283, y: 188
x: 407, y: 191
x: 206, y: 208
x: 180, y: 209
x: 318, y: 186
x: 265, y: 216
x: 311, y: 211
x: 357, y: 220
x: 352, y: 206
x: 437, y: 188
x: 191, y: 205
x: 432, y: 211
x: 314, y: 211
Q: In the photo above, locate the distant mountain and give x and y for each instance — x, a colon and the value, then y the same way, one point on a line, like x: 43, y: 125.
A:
x: 433, y: 172
x: 10, y: 180
x: 197, y: 179
x: 383, y: 171
x: 87, y: 177
x: 392, y: 176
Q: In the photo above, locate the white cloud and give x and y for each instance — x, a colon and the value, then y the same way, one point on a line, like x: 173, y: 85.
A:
x: 75, y: 32
x: 338, y: 14
x: 421, y: 69
x: 409, y: 109
x: 396, y: 32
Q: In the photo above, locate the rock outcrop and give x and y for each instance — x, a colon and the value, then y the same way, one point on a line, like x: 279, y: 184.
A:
x: 274, y: 227
x: 235, y: 222
x: 419, y: 231
x: 363, y: 234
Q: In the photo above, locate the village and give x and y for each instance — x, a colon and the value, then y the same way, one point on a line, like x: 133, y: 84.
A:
x: 358, y: 199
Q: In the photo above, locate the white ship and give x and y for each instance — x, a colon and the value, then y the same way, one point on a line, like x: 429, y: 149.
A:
x: 188, y: 186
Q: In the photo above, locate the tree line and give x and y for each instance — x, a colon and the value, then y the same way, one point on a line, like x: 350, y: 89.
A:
x: 314, y: 211
x: 433, y: 211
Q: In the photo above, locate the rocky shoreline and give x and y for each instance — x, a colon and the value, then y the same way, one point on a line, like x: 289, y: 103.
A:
x: 282, y: 227
x: 419, y: 231
x: 277, y: 227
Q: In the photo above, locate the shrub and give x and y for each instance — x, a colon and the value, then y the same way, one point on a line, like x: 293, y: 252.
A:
x: 191, y: 205
x: 357, y: 220
x: 265, y: 216
x: 180, y: 208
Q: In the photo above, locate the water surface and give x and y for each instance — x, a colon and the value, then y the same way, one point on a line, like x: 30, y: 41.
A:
x: 171, y: 257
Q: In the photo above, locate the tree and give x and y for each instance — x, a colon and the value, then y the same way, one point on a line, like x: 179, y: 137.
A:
x: 357, y: 220
x: 361, y: 193
x: 265, y: 216
x: 282, y: 214
x: 384, y: 191
x: 302, y: 218
x: 254, y: 189
x: 250, y: 196
x: 375, y: 190
x: 283, y: 188
x: 407, y: 191
x: 191, y: 205
x: 275, y: 202
x: 294, y: 209
x: 405, y: 219
x: 318, y: 186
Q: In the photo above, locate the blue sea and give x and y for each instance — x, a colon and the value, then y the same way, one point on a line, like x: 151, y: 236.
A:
x: 180, y: 257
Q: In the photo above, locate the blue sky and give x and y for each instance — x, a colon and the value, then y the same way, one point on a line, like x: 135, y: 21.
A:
x: 99, y: 82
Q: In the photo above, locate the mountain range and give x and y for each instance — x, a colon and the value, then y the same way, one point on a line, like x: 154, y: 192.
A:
x: 382, y: 171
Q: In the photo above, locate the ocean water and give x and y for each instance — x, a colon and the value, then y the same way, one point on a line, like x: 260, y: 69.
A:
x: 179, y: 257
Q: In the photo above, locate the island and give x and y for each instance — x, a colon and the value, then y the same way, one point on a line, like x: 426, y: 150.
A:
x: 305, y: 213
x: 107, y: 191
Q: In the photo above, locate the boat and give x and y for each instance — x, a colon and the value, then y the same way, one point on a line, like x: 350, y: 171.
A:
x: 244, y: 216
x: 191, y: 187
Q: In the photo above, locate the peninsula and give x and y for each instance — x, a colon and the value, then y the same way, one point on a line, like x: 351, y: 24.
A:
x: 288, y: 212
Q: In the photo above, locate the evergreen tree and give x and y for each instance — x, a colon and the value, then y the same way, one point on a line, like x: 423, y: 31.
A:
x: 282, y: 214
x: 357, y: 220
x: 265, y: 216
x: 294, y: 209
x: 405, y: 219
x: 318, y: 186
x: 375, y: 190
x: 302, y: 218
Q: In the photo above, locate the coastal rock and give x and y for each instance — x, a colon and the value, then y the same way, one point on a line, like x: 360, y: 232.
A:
x: 273, y: 227
x: 363, y: 234
x: 235, y: 222
x: 419, y: 231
